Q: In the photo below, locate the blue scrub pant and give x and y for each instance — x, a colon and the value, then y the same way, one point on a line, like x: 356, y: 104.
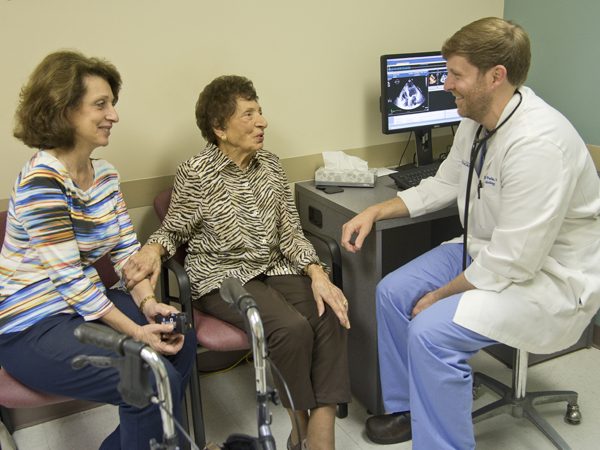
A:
x: 423, y: 361
x: 41, y: 355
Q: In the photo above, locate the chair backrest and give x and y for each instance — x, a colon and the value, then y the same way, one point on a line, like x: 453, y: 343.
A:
x: 3, y: 217
x: 162, y: 202
x: 161, y: 206
x: 106, y: 271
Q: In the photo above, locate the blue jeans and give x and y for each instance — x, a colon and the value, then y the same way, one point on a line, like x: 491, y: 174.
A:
x: 423, y: 361
x: 41, y: 355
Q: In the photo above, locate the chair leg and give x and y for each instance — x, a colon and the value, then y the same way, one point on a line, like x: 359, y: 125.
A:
x: 342, y: 410
x: 185, y: 421
x: 525, y: 407
x: 197, y: 415
x: 5, y: 416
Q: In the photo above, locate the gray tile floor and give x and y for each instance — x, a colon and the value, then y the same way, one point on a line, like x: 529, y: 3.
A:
x: 228, y: 401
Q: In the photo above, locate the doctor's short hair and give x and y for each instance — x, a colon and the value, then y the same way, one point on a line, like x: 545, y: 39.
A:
x: 218, y: 102
x: 492, y: 41
x: 54, y: 90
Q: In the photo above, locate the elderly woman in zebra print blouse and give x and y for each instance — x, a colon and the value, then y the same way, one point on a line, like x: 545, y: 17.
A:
x: 233, y: 208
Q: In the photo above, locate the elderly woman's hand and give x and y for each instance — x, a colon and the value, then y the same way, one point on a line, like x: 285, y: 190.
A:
x: 158, y: 338
x: 152, y: 308
x: 141, y: 264
x: 325, y: 291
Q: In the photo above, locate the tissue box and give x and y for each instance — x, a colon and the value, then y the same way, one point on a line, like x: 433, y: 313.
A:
x: 350, y: 178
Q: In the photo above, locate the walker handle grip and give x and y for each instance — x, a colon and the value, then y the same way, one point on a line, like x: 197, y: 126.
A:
x: 101, y: 336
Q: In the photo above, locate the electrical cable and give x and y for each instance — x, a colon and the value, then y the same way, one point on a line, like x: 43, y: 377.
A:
x: 245, y: 357
x: 404, y: 151
x: 160, y: 404
x: 289, y: 396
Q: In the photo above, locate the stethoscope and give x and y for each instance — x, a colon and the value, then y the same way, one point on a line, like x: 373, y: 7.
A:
x: 478, y: 143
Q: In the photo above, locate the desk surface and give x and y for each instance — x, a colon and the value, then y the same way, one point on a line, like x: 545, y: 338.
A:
x: 354, y: 200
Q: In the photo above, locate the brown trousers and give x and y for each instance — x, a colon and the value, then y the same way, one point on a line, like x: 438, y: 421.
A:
x: 309, y: 351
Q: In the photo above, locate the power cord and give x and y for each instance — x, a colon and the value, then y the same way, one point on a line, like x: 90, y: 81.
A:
x: 289, y: 396
x: 404, y: 151
x: 160, y: 404
x: 245, y: 357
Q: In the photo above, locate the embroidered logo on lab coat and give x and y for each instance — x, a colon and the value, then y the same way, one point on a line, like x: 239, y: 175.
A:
x: 489, y: 180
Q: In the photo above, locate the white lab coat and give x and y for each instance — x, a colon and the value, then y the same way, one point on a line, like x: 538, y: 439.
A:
x: 534, y: 232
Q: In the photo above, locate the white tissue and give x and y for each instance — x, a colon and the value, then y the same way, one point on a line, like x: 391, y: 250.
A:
x: 341, y: 161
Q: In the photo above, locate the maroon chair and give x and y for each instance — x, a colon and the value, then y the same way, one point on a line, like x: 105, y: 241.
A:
x: 14, y: 394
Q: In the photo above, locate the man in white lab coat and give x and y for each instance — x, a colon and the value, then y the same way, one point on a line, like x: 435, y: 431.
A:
x: 532, y: 279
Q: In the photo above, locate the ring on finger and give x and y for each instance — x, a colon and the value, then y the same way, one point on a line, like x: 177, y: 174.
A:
x: 345, y: 303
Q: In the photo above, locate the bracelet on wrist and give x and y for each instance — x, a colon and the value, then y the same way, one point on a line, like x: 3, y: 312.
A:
x: 311, y: 264
x: 143, y: 302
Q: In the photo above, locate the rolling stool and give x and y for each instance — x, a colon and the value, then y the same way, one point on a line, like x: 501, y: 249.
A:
x: 519, y: 403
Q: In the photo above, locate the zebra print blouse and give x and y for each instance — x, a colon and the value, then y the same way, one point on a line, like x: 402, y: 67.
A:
x: 236, y: 224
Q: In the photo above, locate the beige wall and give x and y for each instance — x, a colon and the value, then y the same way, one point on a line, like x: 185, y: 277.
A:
x: 315, y: 64
x: 595, y: 152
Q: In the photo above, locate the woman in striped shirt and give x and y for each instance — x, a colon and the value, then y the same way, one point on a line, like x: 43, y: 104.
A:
x: 65, y: 212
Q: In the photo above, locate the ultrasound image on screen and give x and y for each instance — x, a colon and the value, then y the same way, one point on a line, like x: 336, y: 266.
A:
x: 408, y: 95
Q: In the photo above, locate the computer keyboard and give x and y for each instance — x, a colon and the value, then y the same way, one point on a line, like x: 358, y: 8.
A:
x: 407, y: 178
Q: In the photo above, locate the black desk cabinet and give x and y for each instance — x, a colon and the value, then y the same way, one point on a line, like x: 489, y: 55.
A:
x: 390, y: 244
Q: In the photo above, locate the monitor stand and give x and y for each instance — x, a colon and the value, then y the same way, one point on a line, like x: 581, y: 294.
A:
x: 424, y: 145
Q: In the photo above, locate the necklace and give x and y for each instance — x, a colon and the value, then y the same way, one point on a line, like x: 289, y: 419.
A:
x: 82, y: 179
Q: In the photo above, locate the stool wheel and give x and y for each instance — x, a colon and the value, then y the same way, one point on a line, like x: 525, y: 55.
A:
x: 573, y: 415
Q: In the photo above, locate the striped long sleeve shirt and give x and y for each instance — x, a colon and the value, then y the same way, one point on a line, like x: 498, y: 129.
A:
x: 54, y: 232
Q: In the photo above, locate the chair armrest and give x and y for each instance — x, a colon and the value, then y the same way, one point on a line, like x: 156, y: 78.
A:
x: 185, y: 300
x: 183, y: 283
x: 336, y: 276
x: 336, y: 256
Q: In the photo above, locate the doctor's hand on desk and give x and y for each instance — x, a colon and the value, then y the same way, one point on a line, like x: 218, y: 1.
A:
x: 361, y: 226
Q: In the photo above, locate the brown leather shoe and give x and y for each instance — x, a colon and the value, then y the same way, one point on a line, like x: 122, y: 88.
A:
x: 389, y: 428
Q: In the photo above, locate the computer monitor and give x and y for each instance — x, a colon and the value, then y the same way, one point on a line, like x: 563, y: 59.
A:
x: 413, y: 98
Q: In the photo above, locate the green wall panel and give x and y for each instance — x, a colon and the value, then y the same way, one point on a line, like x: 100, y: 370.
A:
x: 565, y: 64
x: 565, y: 61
